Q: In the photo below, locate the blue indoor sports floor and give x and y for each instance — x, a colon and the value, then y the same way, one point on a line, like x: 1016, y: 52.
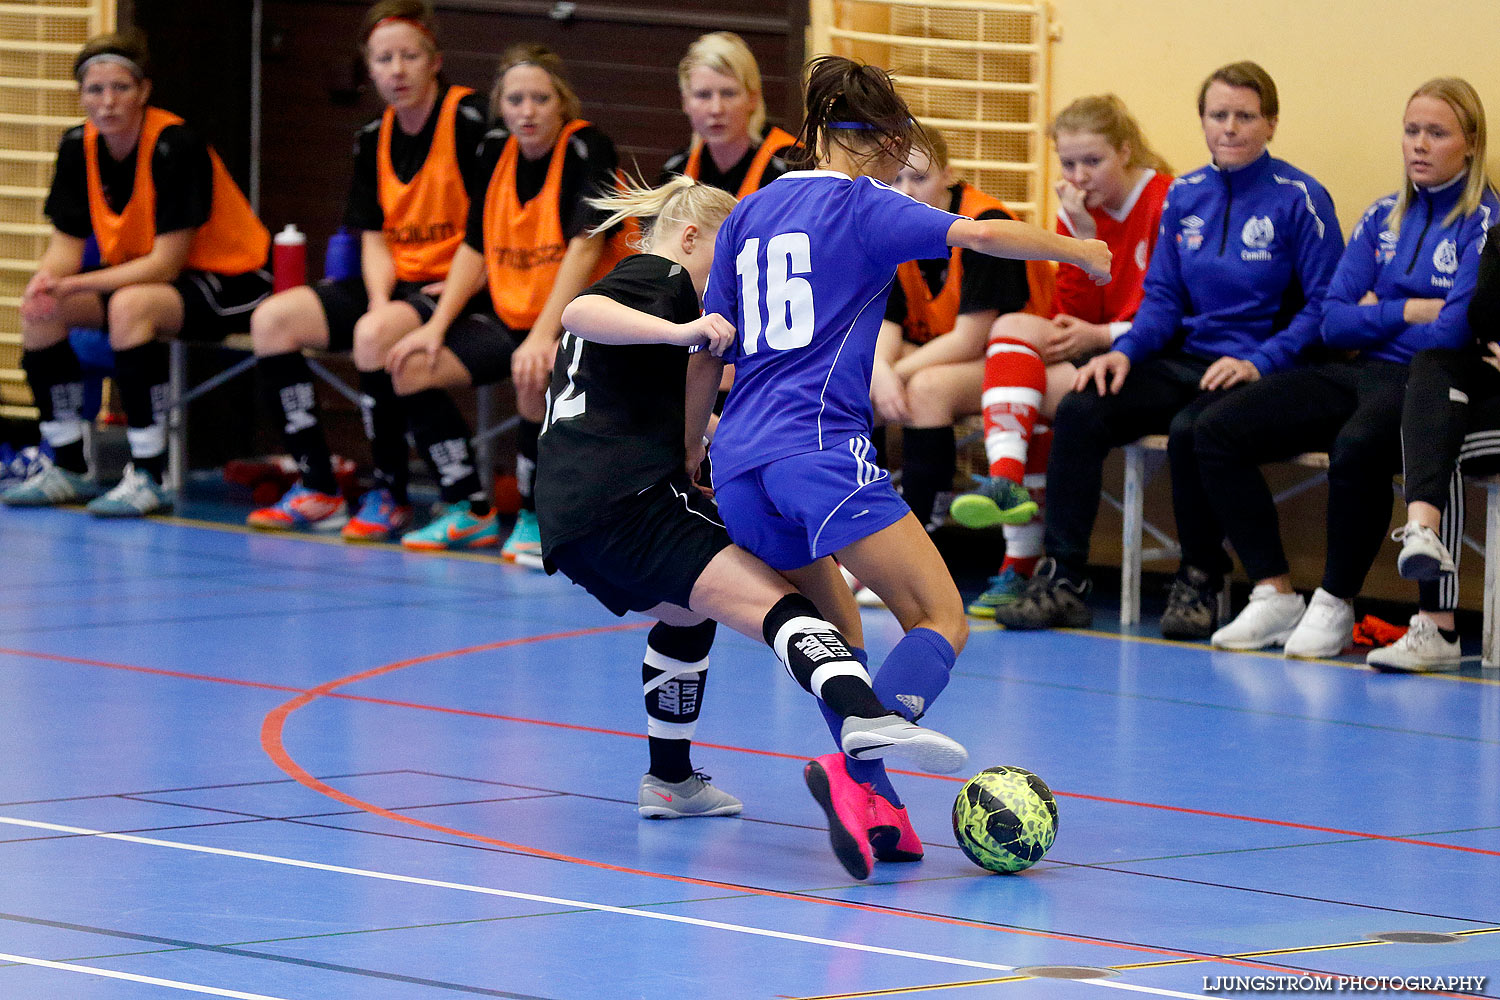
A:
x: 242, y: 765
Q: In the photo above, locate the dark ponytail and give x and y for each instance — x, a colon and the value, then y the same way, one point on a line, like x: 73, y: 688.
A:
x: 856, y: 106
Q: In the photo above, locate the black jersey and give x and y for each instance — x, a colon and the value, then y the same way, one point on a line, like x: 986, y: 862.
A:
x: 615, y: 419
x: 180, y: 168
x: 988, y: 283
x: 409, y: 153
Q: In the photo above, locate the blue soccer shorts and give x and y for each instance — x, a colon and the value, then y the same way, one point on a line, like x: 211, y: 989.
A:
x: 793, y: 511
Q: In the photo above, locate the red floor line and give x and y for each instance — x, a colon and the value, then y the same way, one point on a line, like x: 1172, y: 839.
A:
x: 157, y: 671
x: 274, y: 725
x: 574, y: 727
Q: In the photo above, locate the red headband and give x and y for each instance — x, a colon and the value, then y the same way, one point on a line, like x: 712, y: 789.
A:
x: 412, y: 22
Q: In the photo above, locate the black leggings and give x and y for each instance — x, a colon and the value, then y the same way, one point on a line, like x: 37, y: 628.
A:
x: 1450, y: 427
x: 1160, y: 395
x: 1352, y: 410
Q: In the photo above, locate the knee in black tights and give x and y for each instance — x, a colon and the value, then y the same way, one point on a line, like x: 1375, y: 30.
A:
x: 686, y: 644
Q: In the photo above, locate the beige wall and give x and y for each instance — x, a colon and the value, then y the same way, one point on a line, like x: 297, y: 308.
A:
x: 1344, y: 69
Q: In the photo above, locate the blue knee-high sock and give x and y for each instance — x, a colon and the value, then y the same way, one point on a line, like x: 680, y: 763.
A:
x: 866, y: 772
x: 915, y: 673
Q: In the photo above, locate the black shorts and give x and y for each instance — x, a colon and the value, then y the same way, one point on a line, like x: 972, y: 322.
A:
x: 213, y: 305
x: 216, y: 305
x: 345, y: 301
x: 652, y: 552
x: 483, y: 343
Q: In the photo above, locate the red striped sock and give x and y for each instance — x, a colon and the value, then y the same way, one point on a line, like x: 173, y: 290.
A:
x: 1014, y: 381
x: 1023, y: 543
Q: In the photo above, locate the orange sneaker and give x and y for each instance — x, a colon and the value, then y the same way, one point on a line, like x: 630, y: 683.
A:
x: 380, y: 518
x: 302, y: 508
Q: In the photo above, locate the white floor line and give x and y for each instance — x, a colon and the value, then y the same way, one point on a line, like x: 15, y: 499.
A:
x: 132, y: 977
x: 510, y: 894
x: 535, y: 898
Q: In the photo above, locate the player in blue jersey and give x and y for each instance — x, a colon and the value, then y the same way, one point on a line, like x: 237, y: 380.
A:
x: 802, y: 268
x: 620, y: 516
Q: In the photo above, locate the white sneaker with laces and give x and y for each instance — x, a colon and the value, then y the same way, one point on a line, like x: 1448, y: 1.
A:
x: 1326, y: 629
x: 136, y: 495
x: 1423, y: 554
x: 1268, y: 620
x: 1421, y: 650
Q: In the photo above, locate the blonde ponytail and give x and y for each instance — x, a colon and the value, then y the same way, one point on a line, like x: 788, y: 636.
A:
x: 681, y: 200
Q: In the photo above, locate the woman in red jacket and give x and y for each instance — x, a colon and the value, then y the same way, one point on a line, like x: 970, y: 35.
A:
x: 1113, y: 188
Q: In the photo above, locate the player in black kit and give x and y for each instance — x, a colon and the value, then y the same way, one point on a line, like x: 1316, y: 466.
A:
x: 620, y: 515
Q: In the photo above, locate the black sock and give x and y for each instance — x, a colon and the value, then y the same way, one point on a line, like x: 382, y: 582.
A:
x: 141, y: 376
x: 526, y: 439
x: 443, y: 439
x: 1448, y: 634
x: 71, y: 457
x: 673, y: 676
x: 671, y: 760
x: 56, y: 381
x: 385, y: 426
x: 479, y: 505
x: 290, y: 392
x: 819, y: 658
x: 928, y: 458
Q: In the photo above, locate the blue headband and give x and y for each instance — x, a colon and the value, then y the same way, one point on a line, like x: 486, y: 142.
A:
x: 865, y: 125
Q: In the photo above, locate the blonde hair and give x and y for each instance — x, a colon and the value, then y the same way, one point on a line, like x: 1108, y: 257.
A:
x: 681, y: 200
x: 1459, y: 95
x: 726, y: 53
x: 535, y: 54
x: 1105, y: 115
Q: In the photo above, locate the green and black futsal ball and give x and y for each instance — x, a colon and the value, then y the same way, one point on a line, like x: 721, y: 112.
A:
x: 1005, y: 819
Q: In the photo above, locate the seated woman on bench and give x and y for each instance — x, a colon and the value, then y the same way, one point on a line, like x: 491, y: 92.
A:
x: 413, y: 169
x: 183, y: 255
x: 1402, y: 286
x: 1233, y: 293
x: 529, y: 240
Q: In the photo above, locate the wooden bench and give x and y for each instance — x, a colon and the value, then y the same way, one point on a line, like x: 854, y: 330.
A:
x: 1131, y: 505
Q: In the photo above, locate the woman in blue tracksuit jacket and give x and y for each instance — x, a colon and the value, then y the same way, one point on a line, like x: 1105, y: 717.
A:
x: 1234, y: 292
x: 1402, y: 286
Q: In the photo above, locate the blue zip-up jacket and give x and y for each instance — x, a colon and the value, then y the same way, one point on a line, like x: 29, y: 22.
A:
x: 1236, y: 247
x: 1430, y: 259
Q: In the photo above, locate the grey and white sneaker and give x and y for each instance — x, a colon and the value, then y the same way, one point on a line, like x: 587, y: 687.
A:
x: 136, y: 495
x: 1048, y: 601
x: 685, y: 799
x: 891, y: 735
x: 1421, y: 650
x: 1268, y: 620
x: 1423, y: 554
x: 1326, y: 628
x: 1192, y: 606
x: 53, y: 487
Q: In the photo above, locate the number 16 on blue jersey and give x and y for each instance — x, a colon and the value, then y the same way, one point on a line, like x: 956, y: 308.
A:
x: 773, y: 286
